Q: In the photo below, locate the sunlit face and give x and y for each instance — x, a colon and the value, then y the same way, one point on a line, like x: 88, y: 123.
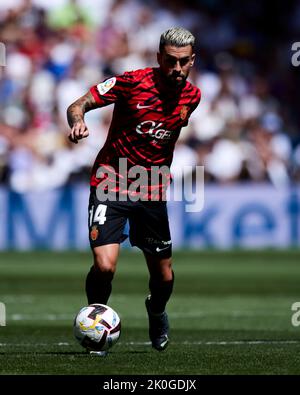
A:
x: 175, y: 63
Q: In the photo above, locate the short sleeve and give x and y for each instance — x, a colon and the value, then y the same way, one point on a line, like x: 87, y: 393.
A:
x: 112, y: 89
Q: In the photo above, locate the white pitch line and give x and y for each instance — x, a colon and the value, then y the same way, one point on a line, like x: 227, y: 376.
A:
x: 39, y: 317
x: 242, y: 342
x: 20, y: 299
x: 222, y: 343
x: 63, y: 316
x: 193, y: 343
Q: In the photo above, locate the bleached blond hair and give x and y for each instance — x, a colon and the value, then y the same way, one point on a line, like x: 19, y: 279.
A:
x: 177, y: 37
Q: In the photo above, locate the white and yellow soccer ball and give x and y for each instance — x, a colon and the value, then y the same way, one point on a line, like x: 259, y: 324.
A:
x: 97, y: 327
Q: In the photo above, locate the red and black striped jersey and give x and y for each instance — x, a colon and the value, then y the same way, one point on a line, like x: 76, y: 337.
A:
x: 147, y: 119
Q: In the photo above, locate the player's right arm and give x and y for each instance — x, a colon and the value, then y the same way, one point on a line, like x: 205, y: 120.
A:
x: 75, y: 115
x: 100, y: 95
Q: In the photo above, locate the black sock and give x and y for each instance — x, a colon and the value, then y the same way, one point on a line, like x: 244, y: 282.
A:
x: 98, y: 286
x: 160, y: 294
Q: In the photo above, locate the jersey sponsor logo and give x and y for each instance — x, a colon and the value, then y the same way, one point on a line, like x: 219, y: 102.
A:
x: 184, y: 112
x: 139, y: 106
x: 153, y: 129
x: 105, y: 86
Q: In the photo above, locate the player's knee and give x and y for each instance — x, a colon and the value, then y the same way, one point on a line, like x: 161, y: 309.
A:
x: 162, y: 269
x: 104, y: 263
x: 104, y: 269
x: 166, y: 270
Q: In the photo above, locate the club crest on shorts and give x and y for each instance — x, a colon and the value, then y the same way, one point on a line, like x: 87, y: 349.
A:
x: 106, y: 85
x: 183, y: 112
x: 94, y: 233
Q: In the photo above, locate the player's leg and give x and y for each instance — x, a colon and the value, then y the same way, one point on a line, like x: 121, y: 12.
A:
x: 161, y: 281
x: 107, y: 221
x: 98, y: 284
x: 150, y: 232
x: 161, y: 287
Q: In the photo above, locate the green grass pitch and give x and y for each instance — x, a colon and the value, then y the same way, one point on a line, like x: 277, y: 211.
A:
x: 230, y: 313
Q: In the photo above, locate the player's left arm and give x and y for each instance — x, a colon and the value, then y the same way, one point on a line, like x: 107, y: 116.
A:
x: 75, y: 116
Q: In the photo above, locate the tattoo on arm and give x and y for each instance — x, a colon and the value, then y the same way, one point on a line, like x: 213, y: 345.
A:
x: 76, y: 110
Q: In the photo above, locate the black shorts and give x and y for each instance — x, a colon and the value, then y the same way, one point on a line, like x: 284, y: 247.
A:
x: 148, y: 224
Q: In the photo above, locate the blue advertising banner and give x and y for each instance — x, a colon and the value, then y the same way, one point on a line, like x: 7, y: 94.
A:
x: 246, y: 216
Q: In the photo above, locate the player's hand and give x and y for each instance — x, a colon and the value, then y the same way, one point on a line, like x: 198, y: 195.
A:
x: 78, y: 132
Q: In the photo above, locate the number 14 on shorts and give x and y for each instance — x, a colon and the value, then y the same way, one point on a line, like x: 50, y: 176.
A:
x: 99, y: 215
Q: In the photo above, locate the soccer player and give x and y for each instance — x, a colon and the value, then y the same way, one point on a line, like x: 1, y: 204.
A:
x: 151, y: 107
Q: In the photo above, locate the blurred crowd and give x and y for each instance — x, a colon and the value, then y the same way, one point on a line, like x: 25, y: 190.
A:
x: 246, y: 127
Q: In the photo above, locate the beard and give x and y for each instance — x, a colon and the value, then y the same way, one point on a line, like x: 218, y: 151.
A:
x: 176, y: 78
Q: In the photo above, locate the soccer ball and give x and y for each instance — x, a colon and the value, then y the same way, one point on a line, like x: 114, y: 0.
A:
x: 97, y: 327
